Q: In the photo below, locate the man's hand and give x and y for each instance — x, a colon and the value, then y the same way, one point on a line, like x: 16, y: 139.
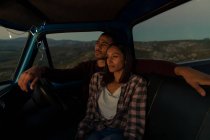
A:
x: 31, y: 75
x: 194, y: 78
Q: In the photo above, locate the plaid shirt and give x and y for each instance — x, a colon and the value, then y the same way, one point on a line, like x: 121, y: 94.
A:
x: 131, y: 109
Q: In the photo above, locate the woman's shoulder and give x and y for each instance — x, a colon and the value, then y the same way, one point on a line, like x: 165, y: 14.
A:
x: 97, y: 76
x: 139, y: 78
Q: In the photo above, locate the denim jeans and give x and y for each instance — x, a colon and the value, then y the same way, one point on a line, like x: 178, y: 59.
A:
x: 106, y: 134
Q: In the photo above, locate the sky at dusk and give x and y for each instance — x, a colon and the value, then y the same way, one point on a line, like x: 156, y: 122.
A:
x: 188, y: 21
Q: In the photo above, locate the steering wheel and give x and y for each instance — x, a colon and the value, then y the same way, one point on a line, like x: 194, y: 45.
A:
x: 44, y: 93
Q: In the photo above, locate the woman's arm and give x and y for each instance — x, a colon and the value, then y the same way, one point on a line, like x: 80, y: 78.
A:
x: 137, y: 110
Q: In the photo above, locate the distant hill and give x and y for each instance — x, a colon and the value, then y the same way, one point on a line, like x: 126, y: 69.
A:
x: 176, y: 50
x: 70, y: 52
x: 52, y: 42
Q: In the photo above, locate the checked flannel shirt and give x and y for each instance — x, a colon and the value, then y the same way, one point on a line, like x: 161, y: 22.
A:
x: 131, y: 109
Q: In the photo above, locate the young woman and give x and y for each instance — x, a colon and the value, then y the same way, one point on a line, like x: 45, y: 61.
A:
x: 117, y: 101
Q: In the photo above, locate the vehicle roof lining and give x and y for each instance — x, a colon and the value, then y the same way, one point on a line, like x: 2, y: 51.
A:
x: 27, y: 13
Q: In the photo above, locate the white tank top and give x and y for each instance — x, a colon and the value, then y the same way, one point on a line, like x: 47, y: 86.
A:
x: 107, y: 102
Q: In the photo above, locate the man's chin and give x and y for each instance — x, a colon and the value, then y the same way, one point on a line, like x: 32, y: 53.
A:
x: 100, y: 57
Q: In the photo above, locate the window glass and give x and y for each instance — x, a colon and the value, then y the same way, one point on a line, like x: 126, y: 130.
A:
x: 69, y: 49
x: 41, y: 57
x: 12, y: 43
x: 179, y: 35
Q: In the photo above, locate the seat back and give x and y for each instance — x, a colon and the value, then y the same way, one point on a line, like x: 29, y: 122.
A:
x: 175, y: 111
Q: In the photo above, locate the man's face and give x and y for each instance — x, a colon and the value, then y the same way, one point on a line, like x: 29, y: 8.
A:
x: 101, y: 46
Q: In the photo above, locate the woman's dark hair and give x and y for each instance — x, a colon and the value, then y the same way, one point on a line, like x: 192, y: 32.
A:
x: 128, y: 66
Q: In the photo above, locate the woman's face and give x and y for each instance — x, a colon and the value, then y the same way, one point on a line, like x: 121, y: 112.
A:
x: 115, y: 59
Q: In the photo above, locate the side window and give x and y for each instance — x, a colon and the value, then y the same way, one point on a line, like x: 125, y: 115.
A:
x: 12, y: 43
x: 178, y: 35
x: 69, y: 49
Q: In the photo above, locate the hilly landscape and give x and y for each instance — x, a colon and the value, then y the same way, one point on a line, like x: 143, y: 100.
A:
x: 175, y: 51
x: 67, y: 53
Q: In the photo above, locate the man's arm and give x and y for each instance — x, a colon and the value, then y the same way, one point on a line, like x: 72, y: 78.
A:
x: 32, y: 75
x: 83, y: 70
x: 193, y: 77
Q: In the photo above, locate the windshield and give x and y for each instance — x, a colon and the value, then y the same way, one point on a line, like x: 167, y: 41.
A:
x: 12, y: 43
